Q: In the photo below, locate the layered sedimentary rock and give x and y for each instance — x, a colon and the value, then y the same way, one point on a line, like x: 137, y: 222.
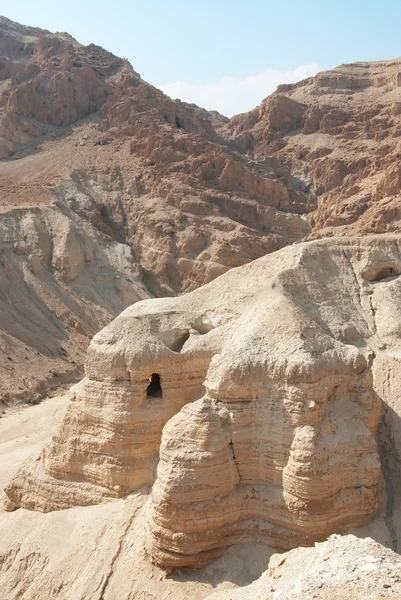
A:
x: 339, y: 133
x: 264, y: 424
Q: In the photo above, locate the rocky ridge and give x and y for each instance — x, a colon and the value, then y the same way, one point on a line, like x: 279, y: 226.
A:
x: 340, y: 133
x: 82, y: 135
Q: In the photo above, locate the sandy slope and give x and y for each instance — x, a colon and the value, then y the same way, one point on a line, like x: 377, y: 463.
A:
x: 25, y: 431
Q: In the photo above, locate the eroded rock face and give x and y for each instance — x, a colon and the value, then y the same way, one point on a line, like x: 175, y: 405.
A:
x: 339, y: 132
x: 62, y: 280
x: 265, y: 423
x: 112, y: 448
x: 48, y: 80
x: 280, y: 482
x: 264, y: 460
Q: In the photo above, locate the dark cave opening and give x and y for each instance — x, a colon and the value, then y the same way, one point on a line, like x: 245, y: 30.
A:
x: 179, y: 123
x: 154, y: 389
x: 385, y: 273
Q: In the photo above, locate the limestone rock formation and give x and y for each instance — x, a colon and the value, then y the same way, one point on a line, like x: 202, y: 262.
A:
x: 265, y: 423
x: 261, y: 408
x: 339, y: 133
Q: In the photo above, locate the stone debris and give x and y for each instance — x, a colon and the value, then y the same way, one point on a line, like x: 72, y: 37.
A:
x: 341, y: 567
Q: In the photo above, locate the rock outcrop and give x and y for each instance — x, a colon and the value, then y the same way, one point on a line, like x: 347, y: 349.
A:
x: 264, y: 425
x: 61, y: 280
x: 339, y: 133
x: 48, y: 81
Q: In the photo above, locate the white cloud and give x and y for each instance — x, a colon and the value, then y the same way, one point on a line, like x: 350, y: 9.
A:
x: 232, y: 96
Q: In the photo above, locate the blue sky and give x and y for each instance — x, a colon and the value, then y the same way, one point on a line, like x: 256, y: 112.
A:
x: 224, y: 54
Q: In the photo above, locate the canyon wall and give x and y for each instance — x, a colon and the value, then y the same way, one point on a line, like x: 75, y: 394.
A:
x: 338, y: 132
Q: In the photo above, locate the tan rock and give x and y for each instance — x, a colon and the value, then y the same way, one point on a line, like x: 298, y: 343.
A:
x: 58, y: 270
x: 340, y: 568
x: 268, y: 394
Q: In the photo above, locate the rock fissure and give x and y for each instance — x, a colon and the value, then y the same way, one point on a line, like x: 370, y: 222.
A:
x: 114, y: 560
x: 386, y: 447
x: 235, y: 462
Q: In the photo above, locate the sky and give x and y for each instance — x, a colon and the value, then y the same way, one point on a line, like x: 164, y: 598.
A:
x: 225, y: 55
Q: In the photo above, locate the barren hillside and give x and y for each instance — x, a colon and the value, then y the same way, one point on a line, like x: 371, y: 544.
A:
x: 233, y: 404
x: 339, y: 132
x: 113, y: 192
x: 110, y: 192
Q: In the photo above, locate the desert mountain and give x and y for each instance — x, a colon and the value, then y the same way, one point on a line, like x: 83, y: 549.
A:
x: 108, y: 184
x: 112, y: 192
x: 339, y: 132
x: 248, y: 388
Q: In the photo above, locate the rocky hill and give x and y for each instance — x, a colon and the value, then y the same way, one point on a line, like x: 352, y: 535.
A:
x: 169, y: 194
x: 339, y: 132
x: 272, y: 417
x: 94, y: 157
x: 248, y: 388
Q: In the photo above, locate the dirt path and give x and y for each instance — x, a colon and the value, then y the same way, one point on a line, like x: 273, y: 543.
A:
x: 26, y: 431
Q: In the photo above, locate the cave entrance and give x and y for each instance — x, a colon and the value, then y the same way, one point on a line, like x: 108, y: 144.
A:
x: 179, y: 123
x: 154, y: 389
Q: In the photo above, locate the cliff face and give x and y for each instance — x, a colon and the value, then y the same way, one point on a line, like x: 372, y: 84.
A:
x: 338, y: 131
x: 264, y: 424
